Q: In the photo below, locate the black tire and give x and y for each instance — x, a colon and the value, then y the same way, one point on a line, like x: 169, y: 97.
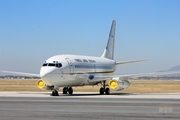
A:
x: 53, y: 93
x: 101, y: 91
x: 70, y: 90
x: 65, y: 90
x: 56, y: 93
x: 107, y: 91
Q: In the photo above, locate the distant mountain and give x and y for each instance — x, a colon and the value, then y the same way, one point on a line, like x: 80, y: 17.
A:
x: 175, y: 68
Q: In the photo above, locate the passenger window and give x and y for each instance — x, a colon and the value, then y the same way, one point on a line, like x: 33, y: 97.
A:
x: 78, y: 60
x: 84, y: 60
x: 92, y: 61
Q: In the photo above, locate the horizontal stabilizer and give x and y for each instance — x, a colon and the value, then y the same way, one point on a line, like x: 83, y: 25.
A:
x: 132, y: 61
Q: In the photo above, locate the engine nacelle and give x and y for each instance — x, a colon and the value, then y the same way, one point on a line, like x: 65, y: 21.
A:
x: 41, y: 85
x: 118, y: 84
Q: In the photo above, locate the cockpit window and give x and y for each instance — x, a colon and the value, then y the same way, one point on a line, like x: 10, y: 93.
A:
x: 58, y: 65
x: 45, y: 64
x: 52, y: 65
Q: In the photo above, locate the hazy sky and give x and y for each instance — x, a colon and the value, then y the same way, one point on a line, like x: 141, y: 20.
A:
x: 33, y: 30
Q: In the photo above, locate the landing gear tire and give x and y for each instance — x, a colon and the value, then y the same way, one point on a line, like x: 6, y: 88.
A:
x: 65, y: 90
x: 101, y: 91
x: 70, y: 90
x: 107, y: 91
x: 55, y: 93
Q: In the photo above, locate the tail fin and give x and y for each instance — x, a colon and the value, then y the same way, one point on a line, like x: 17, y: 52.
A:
x: 109, y: 51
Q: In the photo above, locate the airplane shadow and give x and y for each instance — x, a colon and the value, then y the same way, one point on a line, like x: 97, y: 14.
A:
x: 84, y: 94
x: 96, y: 94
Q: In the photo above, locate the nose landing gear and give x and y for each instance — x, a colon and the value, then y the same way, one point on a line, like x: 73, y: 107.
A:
x: 66, y: 90
x: 55, y: 91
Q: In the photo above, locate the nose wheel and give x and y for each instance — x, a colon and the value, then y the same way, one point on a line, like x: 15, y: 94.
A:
x: 55, y: 93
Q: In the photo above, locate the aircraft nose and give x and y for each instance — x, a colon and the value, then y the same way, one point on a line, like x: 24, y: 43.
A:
x: 45, y: 72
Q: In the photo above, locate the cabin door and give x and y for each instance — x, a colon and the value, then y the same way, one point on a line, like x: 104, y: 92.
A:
x: 71, y: 69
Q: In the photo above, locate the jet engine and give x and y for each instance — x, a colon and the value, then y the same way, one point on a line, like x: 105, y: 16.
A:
x: 41, y: 85
x: 118, y: 84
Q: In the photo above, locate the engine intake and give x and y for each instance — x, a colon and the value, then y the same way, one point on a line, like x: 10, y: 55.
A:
x: 118, y: 84
x: 41, y: 85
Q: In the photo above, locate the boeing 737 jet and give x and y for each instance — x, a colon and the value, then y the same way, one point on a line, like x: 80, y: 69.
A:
x: 68, y: 71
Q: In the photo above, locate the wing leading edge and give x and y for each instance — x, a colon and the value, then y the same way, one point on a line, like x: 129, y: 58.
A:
x: 98, y: 78
x: 22, y: 73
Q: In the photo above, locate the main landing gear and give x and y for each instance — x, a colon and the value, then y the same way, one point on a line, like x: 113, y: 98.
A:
x: 103, y: 89
x: 67, y: 90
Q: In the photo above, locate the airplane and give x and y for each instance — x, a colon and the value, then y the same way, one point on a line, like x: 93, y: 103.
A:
x: 69, y: 70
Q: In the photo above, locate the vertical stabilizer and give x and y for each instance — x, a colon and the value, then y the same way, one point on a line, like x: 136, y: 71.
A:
x: 109, y: 51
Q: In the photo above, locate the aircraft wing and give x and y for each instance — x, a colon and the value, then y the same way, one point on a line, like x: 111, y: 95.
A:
x: 98, y: 78
x: 22, y: 73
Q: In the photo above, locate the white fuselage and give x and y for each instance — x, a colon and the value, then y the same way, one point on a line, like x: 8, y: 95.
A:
x: 74, y: 70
